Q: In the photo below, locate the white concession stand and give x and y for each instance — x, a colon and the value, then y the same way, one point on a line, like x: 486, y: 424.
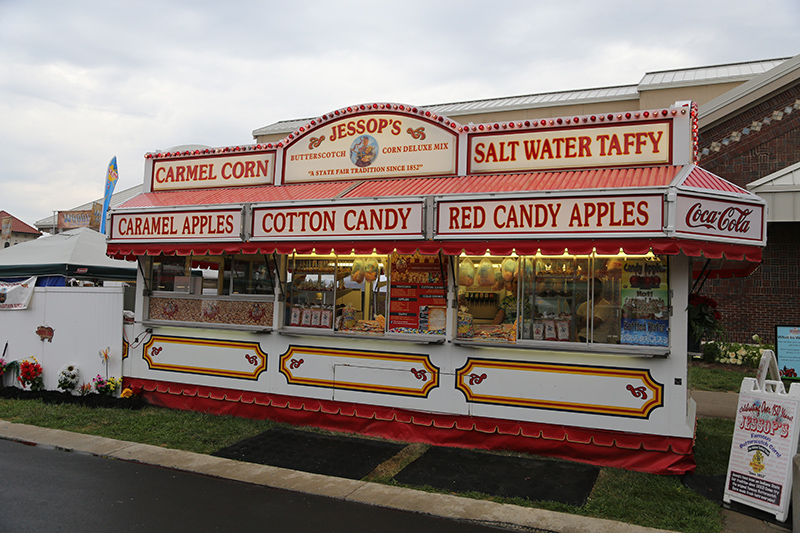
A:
x: 388, y: 271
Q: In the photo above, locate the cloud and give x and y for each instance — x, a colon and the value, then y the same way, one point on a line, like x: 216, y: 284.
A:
x: 83, y: 81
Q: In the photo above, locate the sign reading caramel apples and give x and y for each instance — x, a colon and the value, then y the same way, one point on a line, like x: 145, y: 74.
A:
x: 207, y: 225
x: 395, y: 220
x: 378, y: 145
x: 578, y: 147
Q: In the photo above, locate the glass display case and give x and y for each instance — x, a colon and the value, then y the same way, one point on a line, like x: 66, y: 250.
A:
x: 338, y: 293
x: 310, y: 294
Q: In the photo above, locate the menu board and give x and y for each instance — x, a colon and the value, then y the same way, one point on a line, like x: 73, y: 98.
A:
x: 645, y: 303
x: 417, y: 295
x: 787, y: 350
x: 764, y: 443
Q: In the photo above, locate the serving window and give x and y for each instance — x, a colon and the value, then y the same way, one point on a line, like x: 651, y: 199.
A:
x: 580, y: 299
x: 229, y: 291
x: 367, y: 295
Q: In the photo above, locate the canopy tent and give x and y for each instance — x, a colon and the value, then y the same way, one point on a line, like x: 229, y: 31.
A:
x: 78, y: 253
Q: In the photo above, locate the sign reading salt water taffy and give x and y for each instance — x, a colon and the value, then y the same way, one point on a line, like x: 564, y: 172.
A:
x: 371, y: 146
x: 571, y: 147
x: 764, y: 443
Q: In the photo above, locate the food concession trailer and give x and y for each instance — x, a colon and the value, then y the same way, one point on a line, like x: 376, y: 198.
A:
x: 388, y: 271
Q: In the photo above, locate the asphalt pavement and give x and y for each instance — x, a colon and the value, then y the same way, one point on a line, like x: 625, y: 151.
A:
x: 443, y: 506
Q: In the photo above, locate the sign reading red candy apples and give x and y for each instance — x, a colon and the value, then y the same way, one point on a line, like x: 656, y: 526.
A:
x: 371, y: 146
x: 549, y: 215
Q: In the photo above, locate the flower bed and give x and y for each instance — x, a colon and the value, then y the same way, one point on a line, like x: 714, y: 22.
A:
x: 88, y: 400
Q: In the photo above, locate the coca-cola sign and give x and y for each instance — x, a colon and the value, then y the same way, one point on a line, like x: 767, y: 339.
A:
x: 705, y: 216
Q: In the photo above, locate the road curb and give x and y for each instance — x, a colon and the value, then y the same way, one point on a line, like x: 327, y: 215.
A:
x: 400, y: 498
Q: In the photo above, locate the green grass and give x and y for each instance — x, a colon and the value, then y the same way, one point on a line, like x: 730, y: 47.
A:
x: 718, y: 379
x: 712, y: 446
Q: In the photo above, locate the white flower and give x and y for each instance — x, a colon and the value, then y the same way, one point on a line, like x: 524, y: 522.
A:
x: 69, y: 374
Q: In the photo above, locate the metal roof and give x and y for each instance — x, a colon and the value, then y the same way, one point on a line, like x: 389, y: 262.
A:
x: 702, y: 75
x: 781, y: 191
x: 661, y: 79
x: 18, y: 226
x: 703, y: 179
x: 743, y: 95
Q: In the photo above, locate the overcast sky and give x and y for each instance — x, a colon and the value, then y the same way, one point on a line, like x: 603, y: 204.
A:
x: 82, y: 81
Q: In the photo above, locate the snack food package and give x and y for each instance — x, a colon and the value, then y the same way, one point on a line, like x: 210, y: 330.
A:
x: 466, y: 273
x: 499, y: 282
x: 550, y: 333
x: 306, y: 317
x: 465, y: 325
x: 325, y: 318
x: 297, y: 311
x: 509, y: 269
x: 562, y: 330
x: 358, y: 272
x: 348, y: 317
x: 371, y: 268
x: 486, y: 273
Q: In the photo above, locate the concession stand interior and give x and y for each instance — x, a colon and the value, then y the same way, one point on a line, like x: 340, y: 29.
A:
x: 387, y: 271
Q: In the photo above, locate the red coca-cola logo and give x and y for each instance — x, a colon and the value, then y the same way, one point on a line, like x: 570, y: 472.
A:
x: 732, y: 219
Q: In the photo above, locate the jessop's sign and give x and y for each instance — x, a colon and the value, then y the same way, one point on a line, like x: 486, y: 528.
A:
x: 239, y: 170
x: 543, y: 216
x: 370, y: 221
x: 371, y: 146
x: 196, y: 225
x: 716, y: 218
x: 579, y: 147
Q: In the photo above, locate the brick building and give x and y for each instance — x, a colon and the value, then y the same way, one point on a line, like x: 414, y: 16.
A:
x: 748, y: 116
x: 751, y: 137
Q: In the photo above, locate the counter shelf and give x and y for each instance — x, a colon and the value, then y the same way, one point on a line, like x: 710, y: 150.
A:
x: 205, y: 325
x: 580, y: 348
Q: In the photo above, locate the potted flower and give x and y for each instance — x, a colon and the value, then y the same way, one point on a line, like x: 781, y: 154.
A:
x: 705, y: 321
x: 68, y: 378
x: 30, y: 374
x: 106, y: 386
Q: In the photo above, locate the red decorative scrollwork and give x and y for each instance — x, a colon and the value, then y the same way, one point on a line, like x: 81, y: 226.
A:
x: 314, y: 142
x: 155, y: 351
x: 420, y: 374
x: 252, y: 359
x: 475, y: 379
x: 295, y: 363
x: 638, y: 392
x: 418, y: 133
x: 257, y: 312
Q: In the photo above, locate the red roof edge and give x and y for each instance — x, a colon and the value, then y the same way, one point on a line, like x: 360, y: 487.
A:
x: 18, y: 226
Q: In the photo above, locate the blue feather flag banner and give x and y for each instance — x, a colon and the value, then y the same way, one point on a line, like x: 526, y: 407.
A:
x: 111, y: 180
